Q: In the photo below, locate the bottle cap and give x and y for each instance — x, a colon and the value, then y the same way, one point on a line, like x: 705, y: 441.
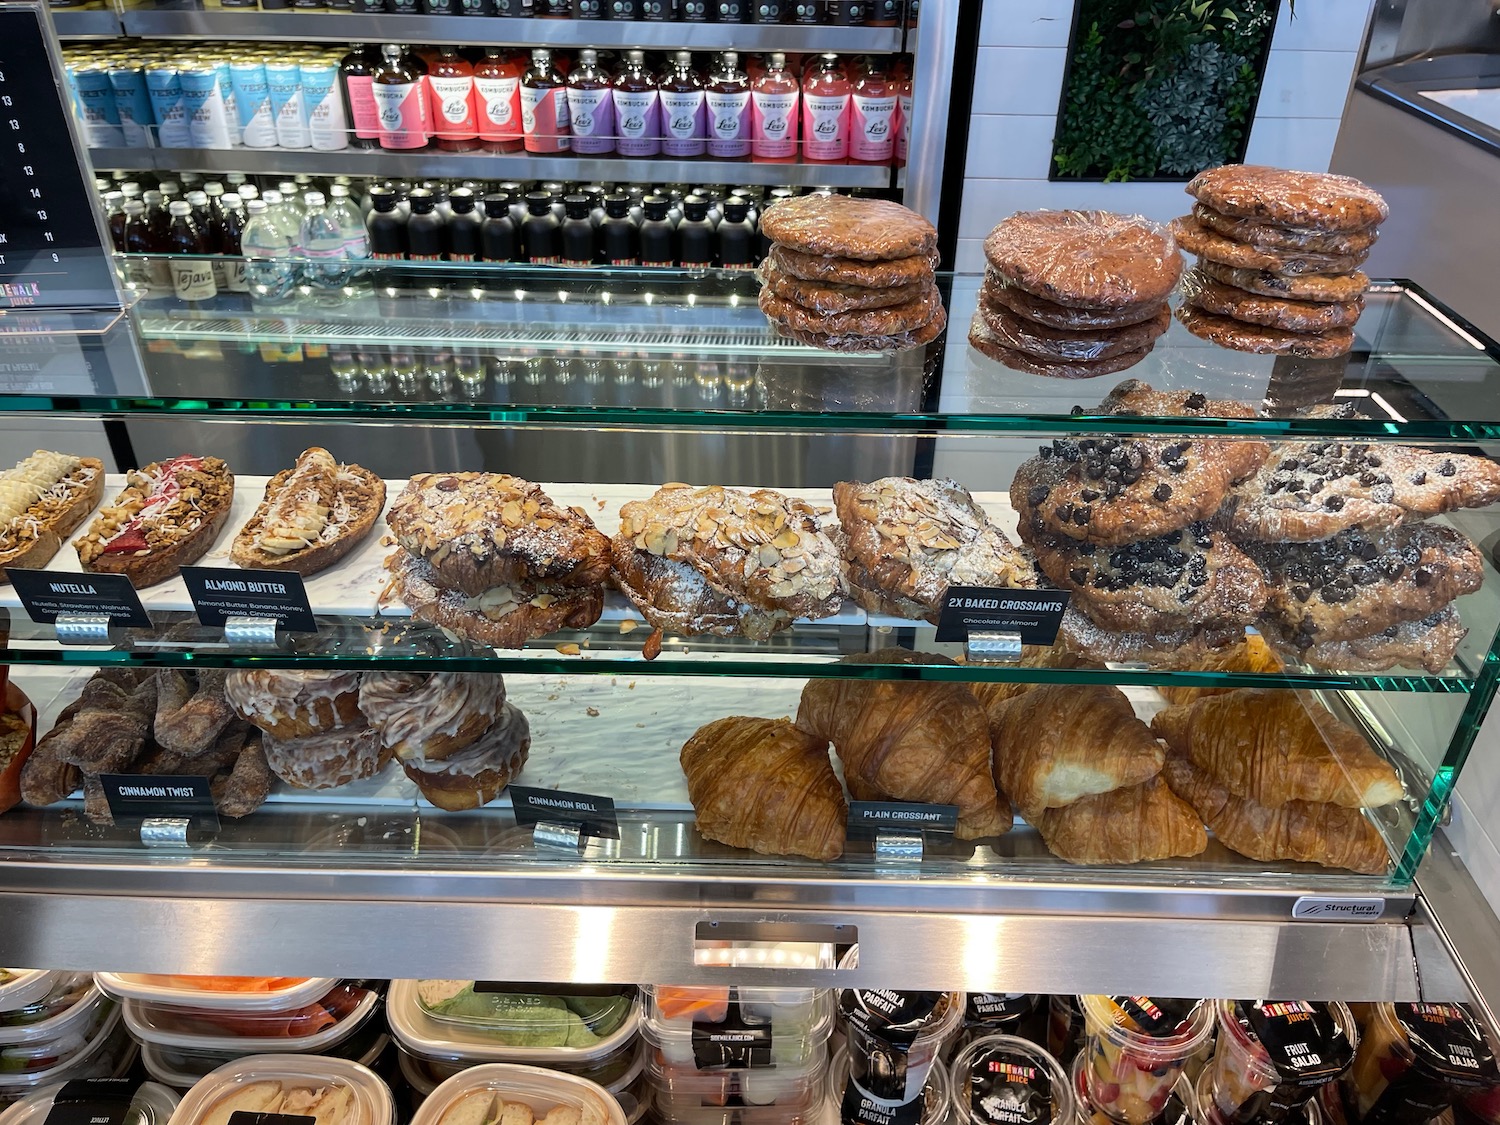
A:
x: 778, y: 60
x: 135, y: 207
x: 390, y: 51
x: 656, y: 207
x: 497, y: 205
x: 695, y: 207
x: 272, y: 197
x: 256, y: 207
x: 384, y: 199
x: 197, y: 199
x: 541, y: 57
x: 588, y: 57
x: 114, y: 198
x: 684, y: 58
x: 577, y: 206
x: 736, y: 210
x: 213, y: 187
x: 422, y: 201
x: 538, y: 202
x: 617, y: 206
x: 635, y: 56
x: 180, y: 207
x: 339, y: 191
x: 315, y: 200
x: 461, y: 200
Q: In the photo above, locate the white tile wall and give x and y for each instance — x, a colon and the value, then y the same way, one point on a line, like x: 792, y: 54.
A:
x: 1026, y: 23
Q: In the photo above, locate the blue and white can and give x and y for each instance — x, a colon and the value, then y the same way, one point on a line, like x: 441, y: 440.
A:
x: 287, y: 106
x: 96, y: 106
x: 226, y: 91
x: 252, y: 102
x: 164, y: 85
x: 327, y: 126
x: 208, y: 121
x: 133, y: 104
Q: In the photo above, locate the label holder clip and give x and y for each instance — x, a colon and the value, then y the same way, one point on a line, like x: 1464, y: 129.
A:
x: 165, y: 831
x: 82, y: 628
x: 993, y: 648
x: 250, y: 630
x: 552, y: 835
x: 899, y: 847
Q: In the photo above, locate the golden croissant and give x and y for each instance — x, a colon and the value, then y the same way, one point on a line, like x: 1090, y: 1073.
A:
x: 1249, y: 655
x: 910, y: 741
x: 1058, y: 743
x: 1306, y: 831
x: 1127, y: 825
x: 765, y: 785
x: 991, y: 695
x: 1272, y: 746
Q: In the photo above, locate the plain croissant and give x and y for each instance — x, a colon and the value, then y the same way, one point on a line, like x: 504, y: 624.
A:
x: 765, y: 785
x: 1249, y: 655
x: 915, y: 741
x: 1058, y: 743
x: 1306, y: 831
x: 1273, y: 746
x: 991, y: 695
x: 1128, y: 825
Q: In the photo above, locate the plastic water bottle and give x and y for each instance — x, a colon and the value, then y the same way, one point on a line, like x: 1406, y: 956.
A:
x: 351, y: 222
x: 285, y: 215
x: 270, y: 274
x: 320, y: 240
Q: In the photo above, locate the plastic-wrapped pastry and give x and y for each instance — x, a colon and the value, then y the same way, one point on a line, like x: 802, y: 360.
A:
x: 1087, y: 259
x: 866, y: 229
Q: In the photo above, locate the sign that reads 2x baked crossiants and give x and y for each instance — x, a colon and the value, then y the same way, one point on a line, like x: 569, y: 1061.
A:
x: 1035, y: 614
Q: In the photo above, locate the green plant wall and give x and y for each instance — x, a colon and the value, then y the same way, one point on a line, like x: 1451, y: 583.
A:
x: 1160, y: 89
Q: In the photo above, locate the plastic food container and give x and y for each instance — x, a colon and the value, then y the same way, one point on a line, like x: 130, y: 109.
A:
x: 85, y: 1025
x: 21, y: 987
x: 1255, y: 1076
x: 1413, y: 1061
x: 57, y: 1015
x: 1309, y: 1112
x: 895, y: 1037
x: 309, y: 1029
x: 149, y: 1103
x: 182, y: 992
x: 859, y: 1110
x: 183, y: 1069
x: 508, y: 1022
x: 1064, y: 1029
x: 478, y: 1090
x: 629, y: 1089
x: 786, y: 1089
x: 1181, y: 1107
x: 1023, y: 1014
x: 706, y: 1028
x: 336, y: 1091
x: 1005, y: 1080
x: 1130, y: 1072
x: 105, y: 1051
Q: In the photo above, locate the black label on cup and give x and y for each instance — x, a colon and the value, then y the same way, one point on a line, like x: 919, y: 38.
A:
x: 1155, y: 1016
x: 858, y: 1108
x: 999, y: 1007
x: 1035, y: 614
x: 1305, y: 1043
x: 93, y: 1101
x: 248, y: 1117
x: 279, y: 595
x: 47, y: 593
x: 1006, y: 1088
x: 890, y: 1022
x: 1448, y: 1042
x: 734, y: 1043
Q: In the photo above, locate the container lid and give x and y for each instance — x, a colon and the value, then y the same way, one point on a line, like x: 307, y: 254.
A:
x: 59, y: 1059
x: 309, y: 1029
x: 177, y: 1067
x: 335, y: 1091
x: 526, y: 1023
x: 1006, y: 1080
x: 1446, y: 1041
x: 738, y: 1028
x: 160, y: 1068
x: 146, y: 1103
x: 20, y: 987
x: 243, y: 994
x: 854, y: 1107
x: 55, y: 1015
x: 476, y: 1095
x: 808, y: 1072
x: 1296, y: 1044
x: 1150, y: 1025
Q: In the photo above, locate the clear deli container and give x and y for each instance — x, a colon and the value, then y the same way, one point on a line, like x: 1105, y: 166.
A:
x: 1130, y: 1073
x: 1024, y: 1081
x: 492, y: 1026
x: 1241, y: 1067
x: 182, y: 1069
x: 58, y: 1014
x: 20, y: 987
x: 336, y: 1091
x: 935, y: 1095
x: 890, y: 1066
x: 541, y: 1090
x: 629, y: 1088
x: 104, y: 1051
x: 179, y: 992
x: 313, y: 1028
x: 149, y: 1102
x: 1181, y: 1107
x: 678, y: 1092
x: 700, y: 1027
x: 1209, y: 1097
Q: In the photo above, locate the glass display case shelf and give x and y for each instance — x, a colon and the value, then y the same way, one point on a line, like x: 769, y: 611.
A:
x: 90, y: 21
x: 171, y: 22
x: 435, y: 164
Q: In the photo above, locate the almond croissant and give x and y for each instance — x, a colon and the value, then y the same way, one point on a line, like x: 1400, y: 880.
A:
x: 1126, y: 825
x: 912, y: 741
x: 1307, y: 831
x: 1272, y: 746
x: 765, y: 785
x: 1058, y: 743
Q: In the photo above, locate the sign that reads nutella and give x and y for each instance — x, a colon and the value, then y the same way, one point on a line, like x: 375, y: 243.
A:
x: 1035, y: 614
x: 46, y: 594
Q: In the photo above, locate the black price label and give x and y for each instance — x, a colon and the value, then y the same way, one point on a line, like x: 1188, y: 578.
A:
x: 92, y: 1101
x: 136, y: 796
x: 858, y: 1108
x: 47, y: 593
x: 1035, y: 614
x: 866, y: 818
x: 594, y: 815
x: 733, y: 1043
x: 249, y: 1117
x: 278, y: 595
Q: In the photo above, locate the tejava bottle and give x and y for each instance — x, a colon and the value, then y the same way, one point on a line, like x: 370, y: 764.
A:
x: 683, y: 111
x: 355, y: 70
x: 544, y: 106
x: 425, y: 235
x: 872, y: 116
x: 399, y: 102
x: 451, y: 82
x: 728, y: 100
x: 497, y: 100
x: 825, y: 111
x: 637, y: 108
x: 774, y: 101
x: 591, y: 106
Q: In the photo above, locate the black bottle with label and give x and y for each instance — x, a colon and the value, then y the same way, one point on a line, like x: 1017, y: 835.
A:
x: 658, y: 11
x: 540, y: 234
x: 695, y: 234
x: 440, y: 7
x: 763, y: 244
x: 658, y: 235
x: 513, y: 9
x: 577, y: 233
x: 849, y: 13
x: 767, y: 11
x: 619, y: 240
x: 386, y: 225
x: 736, y: 236
x: 807, y: 11
x: 463, y: 226
x: 497, y: 234
x: 424, y: 229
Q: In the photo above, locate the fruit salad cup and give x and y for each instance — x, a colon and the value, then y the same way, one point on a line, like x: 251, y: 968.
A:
x: 1248, y: 1085
x: 1129, y: 1072
x: 1414, y: 1061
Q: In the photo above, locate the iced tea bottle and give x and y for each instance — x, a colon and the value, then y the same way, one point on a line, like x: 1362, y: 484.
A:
x: 728, y: 99
x: 591, y: 106
x: 451, y: 81
x: 773, y: 113
x: 544, y: 106
x: 684, y: 116
x: 872, y: 133
x: 497, y: 100
x: 825, y: 111
x: 192, y: 279
x: 637, y: 108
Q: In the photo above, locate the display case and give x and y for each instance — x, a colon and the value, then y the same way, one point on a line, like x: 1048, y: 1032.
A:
x: 603, y: 387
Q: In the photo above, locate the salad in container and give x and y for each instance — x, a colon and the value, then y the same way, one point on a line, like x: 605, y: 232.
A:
x: 146, y: 1103
x: 328, y: 1090
x: 511, y: 1094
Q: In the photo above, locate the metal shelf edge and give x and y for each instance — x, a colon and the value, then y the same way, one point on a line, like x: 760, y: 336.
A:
x: 489, y: 166
x: 85, y: 24
x: 344, y: 27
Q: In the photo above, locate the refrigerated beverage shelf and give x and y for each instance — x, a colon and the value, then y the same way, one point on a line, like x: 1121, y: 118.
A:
x: 433, y: 163
x: 99, y: 22
x: 345, y: 27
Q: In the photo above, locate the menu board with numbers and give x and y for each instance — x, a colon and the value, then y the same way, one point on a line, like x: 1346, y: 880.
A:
x: 52, y: 253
